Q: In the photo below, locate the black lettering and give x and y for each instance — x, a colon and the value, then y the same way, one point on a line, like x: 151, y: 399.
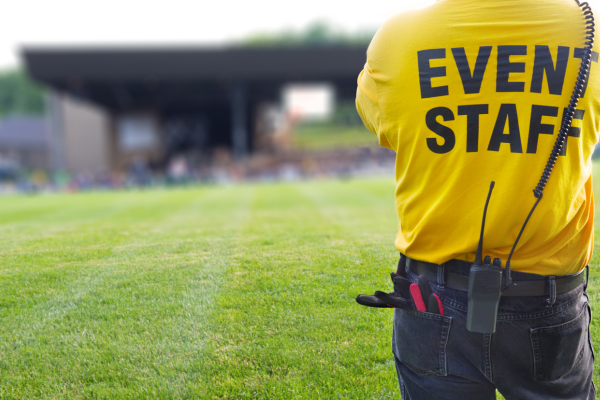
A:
x: 471, y: 83
x: 426, y: 72
x: 505, y: 68
x: 513, y: 137
x: 555, y: 76
x: 578, y: 53
x: 573, y: 130
x: 473, y: 112
x: 536, y: 127
x: 446, y: 133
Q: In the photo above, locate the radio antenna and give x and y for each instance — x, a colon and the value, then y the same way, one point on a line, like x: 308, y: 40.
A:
x: 478, y: 255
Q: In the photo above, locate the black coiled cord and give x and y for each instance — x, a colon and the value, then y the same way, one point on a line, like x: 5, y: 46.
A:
x: 582, y: 76
x: 577, y: 92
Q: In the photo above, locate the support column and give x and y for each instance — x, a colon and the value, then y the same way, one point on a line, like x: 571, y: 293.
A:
x: 239, y: 130
x: 56, y: 137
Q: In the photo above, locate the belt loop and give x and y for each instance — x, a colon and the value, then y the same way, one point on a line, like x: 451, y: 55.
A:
x: 587, y: 277
x: 552, y: 282
x: 441, y: 275
x: 401, y: 270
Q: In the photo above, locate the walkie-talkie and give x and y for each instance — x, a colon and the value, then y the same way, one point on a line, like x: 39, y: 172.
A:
x: 485, y: 286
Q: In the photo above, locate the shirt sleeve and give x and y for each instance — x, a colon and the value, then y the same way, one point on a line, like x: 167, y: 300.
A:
x: 367, y: 104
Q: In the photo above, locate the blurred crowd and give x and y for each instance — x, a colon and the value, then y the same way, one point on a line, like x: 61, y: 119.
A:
x: 345, y: 163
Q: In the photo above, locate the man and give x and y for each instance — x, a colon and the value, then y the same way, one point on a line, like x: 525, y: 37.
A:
x: 468, y: 92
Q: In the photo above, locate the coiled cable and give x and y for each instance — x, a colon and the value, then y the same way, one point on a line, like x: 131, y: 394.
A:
x: 582, y: 77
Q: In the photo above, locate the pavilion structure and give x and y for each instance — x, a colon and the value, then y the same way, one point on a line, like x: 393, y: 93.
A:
x: 111, y: 106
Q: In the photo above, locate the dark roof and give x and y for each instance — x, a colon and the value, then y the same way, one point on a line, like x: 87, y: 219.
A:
x: 118, y: 64
x: 24, y: 132
x: 178, y: 78
x: 192, y: 78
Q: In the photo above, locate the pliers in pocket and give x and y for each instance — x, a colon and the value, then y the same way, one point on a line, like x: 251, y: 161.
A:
x: 406, y: 295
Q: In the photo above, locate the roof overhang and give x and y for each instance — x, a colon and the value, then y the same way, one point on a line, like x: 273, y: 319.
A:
x: 103, y: 75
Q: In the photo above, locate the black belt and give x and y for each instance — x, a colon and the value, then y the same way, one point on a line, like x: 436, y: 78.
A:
x: 536, y: 285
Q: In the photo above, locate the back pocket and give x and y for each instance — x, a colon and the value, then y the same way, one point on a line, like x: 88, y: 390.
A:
x: 557, y: 349
x: 420, y: 340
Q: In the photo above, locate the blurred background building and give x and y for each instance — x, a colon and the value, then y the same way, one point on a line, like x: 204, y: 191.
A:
x: 117, y: 116
x: 109, y: 108
x: 271, y: 96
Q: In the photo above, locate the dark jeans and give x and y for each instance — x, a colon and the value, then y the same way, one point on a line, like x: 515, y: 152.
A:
x: 541, y: 350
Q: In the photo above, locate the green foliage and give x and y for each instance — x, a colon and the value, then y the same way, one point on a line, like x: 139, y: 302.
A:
x: 319, y: 33
x: 346, y: 115
x: 344, y: 129
x: 331, y: 136
x: 19, y: 94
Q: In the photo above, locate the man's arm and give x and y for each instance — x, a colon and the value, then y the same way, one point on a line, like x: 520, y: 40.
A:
x: 367, y: 104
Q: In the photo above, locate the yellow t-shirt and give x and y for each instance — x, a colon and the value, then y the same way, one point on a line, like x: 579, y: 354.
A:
x: 471, y: 91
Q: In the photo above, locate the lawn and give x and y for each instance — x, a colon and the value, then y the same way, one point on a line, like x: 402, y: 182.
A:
x: 231, y: 292
x: 330, y: 136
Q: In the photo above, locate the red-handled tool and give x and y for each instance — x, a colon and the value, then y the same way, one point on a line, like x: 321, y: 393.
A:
x: 415, y: 292
x: 441, y: 307
x: 435, y: 305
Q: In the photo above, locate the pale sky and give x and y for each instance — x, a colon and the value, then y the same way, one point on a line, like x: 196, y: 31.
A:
x: 131, y: 22
x: 126, y: 22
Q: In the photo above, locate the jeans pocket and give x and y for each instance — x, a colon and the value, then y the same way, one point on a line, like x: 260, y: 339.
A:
x: 420, y: 339
x: 557, y: 349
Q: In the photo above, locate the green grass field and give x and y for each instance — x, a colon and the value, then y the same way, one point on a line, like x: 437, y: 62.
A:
x: 237, y: 292
x: 328, y: 136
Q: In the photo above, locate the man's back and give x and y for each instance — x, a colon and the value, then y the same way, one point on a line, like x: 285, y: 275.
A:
x: 467, y: 92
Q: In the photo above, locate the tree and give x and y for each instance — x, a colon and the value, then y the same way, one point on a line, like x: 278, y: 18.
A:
x: 319, y: 33
x: 19, y: 94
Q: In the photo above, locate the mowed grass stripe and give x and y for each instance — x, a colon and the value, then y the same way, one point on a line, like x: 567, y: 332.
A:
x: 288, y: 326
x: 53, y: 264
x: 129, y: 316
x: 81, y: 216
